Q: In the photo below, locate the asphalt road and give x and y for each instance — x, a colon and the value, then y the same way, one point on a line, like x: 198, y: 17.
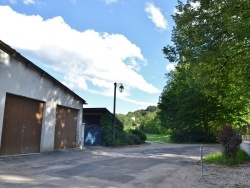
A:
x: 142, y: 166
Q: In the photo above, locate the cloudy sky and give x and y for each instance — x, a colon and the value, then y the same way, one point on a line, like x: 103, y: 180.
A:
x: 90, y: 44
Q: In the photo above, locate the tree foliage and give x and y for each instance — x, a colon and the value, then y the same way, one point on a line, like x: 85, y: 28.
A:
x: 146, y: 120
x: 107, y: 129
x: 132, y: 137
x: 211, y: 46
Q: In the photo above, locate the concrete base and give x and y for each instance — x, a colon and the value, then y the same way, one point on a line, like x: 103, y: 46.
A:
x: 245, y: 145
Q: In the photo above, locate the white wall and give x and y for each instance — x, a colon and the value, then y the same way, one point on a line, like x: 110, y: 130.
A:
x: 245, y: 145
x: 19, y: 79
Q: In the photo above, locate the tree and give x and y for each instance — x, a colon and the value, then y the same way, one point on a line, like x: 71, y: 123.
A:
x: 126, y: 120
x: 187, y: 111
x: 152, y: 108
x: 146, y: 119
x: 211, y: 48
x: 214, y: 34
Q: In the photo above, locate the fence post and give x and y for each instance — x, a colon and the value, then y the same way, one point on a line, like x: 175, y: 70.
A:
x: 202, y: 165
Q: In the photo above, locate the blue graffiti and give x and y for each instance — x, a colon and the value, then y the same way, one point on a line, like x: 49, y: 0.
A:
x: 90, y: 138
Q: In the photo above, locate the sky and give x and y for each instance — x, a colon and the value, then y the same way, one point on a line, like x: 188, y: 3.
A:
x: 88, y: 45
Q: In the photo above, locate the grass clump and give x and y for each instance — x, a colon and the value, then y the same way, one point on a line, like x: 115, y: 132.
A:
x: 222, y: 158
x: 158, y: 138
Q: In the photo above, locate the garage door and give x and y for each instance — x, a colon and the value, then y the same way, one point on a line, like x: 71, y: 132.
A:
x: 22, y: 125
x: 93, y: 134
x: 66, y: 126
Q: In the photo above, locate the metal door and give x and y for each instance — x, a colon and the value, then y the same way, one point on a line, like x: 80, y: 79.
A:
x: 93, y: 134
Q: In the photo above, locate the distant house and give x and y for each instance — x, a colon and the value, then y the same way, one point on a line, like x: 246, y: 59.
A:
x: 37, y: 112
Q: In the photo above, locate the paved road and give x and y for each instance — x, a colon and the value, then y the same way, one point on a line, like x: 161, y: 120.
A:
x: 143, y: 166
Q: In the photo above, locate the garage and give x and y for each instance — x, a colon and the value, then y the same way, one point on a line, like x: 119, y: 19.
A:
x: 93, y: 133
x: 22, y: 125
x: 66, y: 127
x: 33, y: 105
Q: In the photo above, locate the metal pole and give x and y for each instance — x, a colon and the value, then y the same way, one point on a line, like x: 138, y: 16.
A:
x: 202, y: 165
x: 114, y: 112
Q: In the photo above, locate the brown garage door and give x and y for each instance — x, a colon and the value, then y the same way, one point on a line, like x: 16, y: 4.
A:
x: 22, y: 125
x: 65, y: 130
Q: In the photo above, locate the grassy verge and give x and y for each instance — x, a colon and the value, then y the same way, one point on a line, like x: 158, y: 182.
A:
x: 220, y: 158
x: 158, y: 138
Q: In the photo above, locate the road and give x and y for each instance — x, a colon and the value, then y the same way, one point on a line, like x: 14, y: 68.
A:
x: 148, y: 165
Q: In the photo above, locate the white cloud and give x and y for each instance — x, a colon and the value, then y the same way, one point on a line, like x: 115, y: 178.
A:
x: 176, y: 11
x: 155, y: 15
x: 12, y: 1
x: 26, y: 2
x: 110, y: 1
x: 140, y: 104
x: 82, y: 57
x: 170, y: 67
x: 193, y: 6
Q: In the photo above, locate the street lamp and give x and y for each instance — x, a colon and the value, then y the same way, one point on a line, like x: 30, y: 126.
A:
x: 121, y: 88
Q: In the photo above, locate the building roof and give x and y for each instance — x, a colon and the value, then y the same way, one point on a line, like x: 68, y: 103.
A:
x: 95, y: 111
x: 16, y: 55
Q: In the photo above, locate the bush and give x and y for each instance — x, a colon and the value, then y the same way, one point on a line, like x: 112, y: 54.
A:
x: 139, y: 133
x: 121, y: 139
x: 230, y: 140
x: 130, y: 138
x: 133, y: 139
x: 107, y: 130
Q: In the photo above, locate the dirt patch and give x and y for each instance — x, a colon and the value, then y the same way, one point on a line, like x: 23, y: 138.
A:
x: 214, y: 176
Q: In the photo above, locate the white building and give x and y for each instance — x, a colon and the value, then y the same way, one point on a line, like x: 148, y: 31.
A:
x: 37, y: 112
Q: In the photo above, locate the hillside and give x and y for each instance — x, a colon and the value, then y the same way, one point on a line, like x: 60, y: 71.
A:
x: 140, y: 118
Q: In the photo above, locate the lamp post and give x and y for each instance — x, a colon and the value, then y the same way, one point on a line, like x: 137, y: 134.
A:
x: 121, y: 88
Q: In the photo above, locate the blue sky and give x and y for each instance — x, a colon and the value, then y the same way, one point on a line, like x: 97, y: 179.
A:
x: 90, y: 44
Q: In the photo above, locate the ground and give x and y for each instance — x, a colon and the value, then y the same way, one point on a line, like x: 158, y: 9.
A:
x: 153, y: 165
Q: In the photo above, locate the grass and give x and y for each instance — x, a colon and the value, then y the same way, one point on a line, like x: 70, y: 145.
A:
x: 221, y: 158
x: 158, y: 138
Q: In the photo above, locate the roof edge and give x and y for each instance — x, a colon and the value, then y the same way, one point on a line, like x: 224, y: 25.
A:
x: 16, y: 55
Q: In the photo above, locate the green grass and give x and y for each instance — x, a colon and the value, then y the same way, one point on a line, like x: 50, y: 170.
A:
x: 158, y: 138
x: 221, y: 158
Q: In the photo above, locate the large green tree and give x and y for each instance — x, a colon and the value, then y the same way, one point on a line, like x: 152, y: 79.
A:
x: 212, y: 49
x: 185, y: 110
x: 214, y: 34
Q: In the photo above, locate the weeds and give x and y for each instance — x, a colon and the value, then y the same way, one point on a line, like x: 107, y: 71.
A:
x: 221, y: 158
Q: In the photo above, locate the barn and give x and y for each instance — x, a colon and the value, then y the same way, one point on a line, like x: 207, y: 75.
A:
x: 37, y: 112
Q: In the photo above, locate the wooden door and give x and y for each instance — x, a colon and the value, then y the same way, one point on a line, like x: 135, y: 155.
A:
x: 22, y: 125
x: 66, y: 127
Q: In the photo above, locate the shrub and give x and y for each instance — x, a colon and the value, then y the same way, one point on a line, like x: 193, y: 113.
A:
x: 130, y: 138
x: 121, y: 139
x: 107, y: 130
x: 139, y: 133
x: 230, y: 140
x: 133, y: 139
